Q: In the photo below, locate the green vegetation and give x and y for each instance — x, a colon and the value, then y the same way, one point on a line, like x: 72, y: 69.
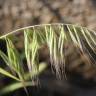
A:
x: 52, y: 35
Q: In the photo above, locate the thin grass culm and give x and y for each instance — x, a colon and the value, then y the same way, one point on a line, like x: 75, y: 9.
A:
x: 55, y: 37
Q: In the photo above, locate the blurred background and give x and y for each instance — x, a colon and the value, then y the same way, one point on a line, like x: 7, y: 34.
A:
x: 20, y: 13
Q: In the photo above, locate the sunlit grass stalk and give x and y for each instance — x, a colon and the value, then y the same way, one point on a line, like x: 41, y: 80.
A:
x: 55, y: 43
x: 31, y: 50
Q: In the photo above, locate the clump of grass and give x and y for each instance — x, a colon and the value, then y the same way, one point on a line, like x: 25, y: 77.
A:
x: 55, y: 36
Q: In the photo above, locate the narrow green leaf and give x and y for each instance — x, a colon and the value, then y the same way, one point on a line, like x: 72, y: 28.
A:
x: 4, y: 72
x: 14, y: 86
x: 5, y: 58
